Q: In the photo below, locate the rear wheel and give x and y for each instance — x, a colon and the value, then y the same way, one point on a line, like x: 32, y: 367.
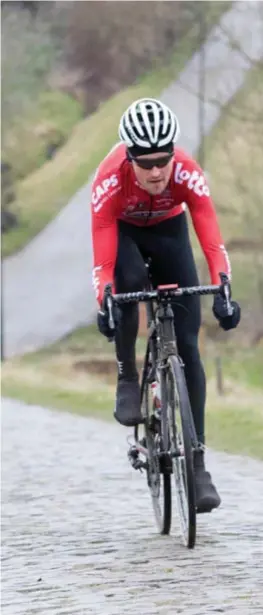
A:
x: 183, y: 440
x: 159, y: 481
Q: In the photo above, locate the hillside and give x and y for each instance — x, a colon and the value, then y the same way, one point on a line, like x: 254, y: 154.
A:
x: 44, y: 135
x: 233, y: 161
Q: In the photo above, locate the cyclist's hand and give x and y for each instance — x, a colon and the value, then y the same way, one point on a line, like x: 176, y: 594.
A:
x: 108, y: 318
x: 226, y: 311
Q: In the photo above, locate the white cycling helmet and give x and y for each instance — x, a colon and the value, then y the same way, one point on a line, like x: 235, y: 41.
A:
x: 148, y: 124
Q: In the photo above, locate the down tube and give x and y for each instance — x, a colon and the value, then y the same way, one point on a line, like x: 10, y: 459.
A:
x: 164, y: 400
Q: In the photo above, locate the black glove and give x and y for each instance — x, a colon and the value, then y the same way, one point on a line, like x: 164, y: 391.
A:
x: 104, y: 315
x: 220, y: 309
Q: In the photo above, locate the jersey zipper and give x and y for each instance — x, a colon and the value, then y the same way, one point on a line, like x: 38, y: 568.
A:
x: 150, y: 212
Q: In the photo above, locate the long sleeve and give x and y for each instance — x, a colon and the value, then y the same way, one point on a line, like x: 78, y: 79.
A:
x: 105, y: 239
x: 202, y: 210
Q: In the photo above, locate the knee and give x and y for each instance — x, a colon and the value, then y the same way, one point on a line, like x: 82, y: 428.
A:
x: 133, y: 279
x: 188, y: 348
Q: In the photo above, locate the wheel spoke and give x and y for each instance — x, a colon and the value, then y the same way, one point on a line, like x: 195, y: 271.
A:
x: 159, y: 484
x: 181, y: 444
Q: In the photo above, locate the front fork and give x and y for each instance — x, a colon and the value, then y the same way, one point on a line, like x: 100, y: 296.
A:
x: 166, y: 341
x: 161, y: 343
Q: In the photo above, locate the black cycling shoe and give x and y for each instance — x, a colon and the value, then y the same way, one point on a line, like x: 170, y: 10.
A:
x: 128, y: 404
x: 207, y: 497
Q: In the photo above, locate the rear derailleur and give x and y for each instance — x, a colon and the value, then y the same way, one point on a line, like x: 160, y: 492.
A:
x: 134, y: 458
x: 134, y: 452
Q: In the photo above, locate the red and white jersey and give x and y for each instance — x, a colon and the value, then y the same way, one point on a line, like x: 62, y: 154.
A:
x: 117, y: 195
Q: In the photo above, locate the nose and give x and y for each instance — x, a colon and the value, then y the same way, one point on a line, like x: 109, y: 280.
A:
x: 155, y: 172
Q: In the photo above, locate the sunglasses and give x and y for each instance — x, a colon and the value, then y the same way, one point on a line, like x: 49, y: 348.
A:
x: 150, y: 163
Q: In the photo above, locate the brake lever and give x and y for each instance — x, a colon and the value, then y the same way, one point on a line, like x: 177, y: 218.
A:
x: 110, y: 310
x: 109, y: 305
x: 226, y: 293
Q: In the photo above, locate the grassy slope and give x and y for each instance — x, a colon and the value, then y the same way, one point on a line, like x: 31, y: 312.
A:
x: 43, y: 193
x: 234, y: 166
x: 50, y: 119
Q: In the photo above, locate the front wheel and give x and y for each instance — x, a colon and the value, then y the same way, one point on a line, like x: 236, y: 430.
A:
x: 183, y: 441
x: 159, y: 481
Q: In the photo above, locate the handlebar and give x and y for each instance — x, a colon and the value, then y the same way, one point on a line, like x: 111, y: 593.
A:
x: 168, y: 293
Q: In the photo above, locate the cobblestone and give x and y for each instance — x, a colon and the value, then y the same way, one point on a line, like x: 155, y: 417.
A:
x: 79, y: 537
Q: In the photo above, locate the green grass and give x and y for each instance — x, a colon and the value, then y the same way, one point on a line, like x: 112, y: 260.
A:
x: 49, y: 120
x: 97, y: 404
x: 84, y: 342
x: 230, y: 427
x: 43, y: 193
x: 235, y: 429
x: 233, y: 161
x: 233, y: 175
x: 242, y: 365
x: 78, y: 374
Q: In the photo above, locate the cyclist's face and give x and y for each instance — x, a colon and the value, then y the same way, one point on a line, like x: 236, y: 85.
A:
x: 154, y: 179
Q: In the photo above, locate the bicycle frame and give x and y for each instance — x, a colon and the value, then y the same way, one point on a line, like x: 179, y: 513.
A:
x: 160, y: 324
x: 160, y: 344
x: 170, y: 439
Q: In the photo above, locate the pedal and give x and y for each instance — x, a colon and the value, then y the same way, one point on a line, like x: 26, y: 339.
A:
x: 136, y: 462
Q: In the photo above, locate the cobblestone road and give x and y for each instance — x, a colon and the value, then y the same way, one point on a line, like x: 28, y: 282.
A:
x: 78, y: 535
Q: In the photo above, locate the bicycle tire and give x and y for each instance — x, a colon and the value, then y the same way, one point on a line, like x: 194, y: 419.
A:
x: 183, y: 465
x: 159, y: 483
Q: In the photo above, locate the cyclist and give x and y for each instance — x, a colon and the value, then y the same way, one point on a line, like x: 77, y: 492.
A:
x: 139, y: 197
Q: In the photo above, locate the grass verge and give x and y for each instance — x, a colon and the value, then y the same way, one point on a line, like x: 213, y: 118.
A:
x: 234, y: 422
x: 43, y: 193
x: 97, y: 403
x: 230, y: 426
x: 78, y: 374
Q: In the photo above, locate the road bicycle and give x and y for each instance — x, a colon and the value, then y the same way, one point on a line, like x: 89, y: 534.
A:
x: 169, y: 438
